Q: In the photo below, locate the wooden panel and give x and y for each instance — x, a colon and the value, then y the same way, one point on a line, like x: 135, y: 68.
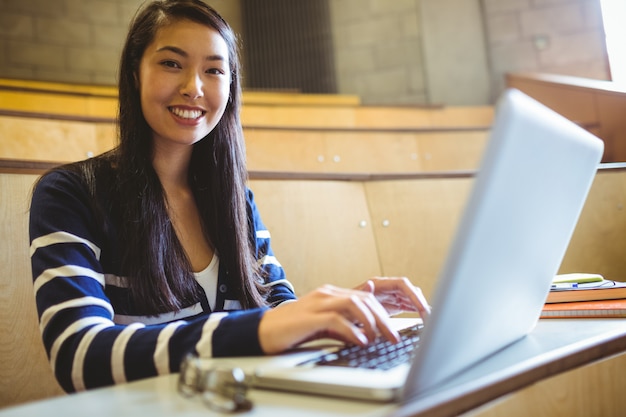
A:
x: 106, y: 136
x: 331, y: 151
x: 591, y: 390
x: 25, y: 373
x: 599, y: 241
x: 367, y: 117
x: 414, y: 223
x: 271, y: 97
x: 67, y: 88
x: 363, y: 151
x: 389, y: 152
x: 47, y: 140
x: 576, y: 104
x: 599, y: 106
x: 424, y: 117
x: 451, y: 151
x: 296, y: 150
x: 284, y: 150
x: 297, y: 116
x: 415, y: 220
x: 371, y: 152
x: 321, y: 231
x: 58, y: 104
x: 612, y: 117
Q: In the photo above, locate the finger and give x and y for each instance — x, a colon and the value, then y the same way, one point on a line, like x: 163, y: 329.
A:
x: 363, y: 308
x: 383, y: 324
x: 421, y: 303
x: 355, y: 307
x: 347, y: 303
x: 402, y: 288
x: 338, y: 327
x: 367, y: 286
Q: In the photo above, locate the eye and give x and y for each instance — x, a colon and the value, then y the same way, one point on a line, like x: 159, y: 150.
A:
x: 216, y: 71
x: 170, y: 64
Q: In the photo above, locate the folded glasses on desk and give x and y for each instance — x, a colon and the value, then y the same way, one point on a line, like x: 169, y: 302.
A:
x: 222, y: 389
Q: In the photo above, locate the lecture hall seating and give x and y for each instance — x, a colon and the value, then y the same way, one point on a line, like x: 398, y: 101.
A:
x: 284, y: 131
x: 420, y: 185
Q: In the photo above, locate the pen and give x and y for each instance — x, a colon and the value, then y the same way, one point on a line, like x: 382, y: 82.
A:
x: 564, y: 286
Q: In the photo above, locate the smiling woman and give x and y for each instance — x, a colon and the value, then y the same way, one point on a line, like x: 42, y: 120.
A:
x: 156, y: 249
x: 184, y: 82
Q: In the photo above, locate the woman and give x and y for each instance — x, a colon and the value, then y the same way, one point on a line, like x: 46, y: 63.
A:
x: 156, y: 249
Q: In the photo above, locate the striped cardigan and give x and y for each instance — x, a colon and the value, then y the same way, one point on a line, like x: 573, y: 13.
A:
x: 91, y: 332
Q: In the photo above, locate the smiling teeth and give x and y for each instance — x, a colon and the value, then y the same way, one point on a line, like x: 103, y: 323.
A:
x: 186, y: 114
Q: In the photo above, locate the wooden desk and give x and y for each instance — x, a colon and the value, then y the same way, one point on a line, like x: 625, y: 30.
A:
x: 555, y: 349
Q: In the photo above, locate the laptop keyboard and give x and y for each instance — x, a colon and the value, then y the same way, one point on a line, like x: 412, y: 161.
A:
x: 381, y: 354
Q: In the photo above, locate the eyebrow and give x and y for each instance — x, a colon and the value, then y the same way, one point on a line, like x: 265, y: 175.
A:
x: 184, y: 54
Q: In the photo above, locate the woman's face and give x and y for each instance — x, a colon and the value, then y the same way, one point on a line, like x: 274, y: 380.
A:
x: 184, y: 82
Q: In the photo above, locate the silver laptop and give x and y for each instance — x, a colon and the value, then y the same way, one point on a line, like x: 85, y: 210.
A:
x: 525, y: 203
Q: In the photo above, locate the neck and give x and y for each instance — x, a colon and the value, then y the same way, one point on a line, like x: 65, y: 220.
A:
x: 172, y: 166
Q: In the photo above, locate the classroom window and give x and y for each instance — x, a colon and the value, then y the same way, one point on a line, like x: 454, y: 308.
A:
x: 614, y: 15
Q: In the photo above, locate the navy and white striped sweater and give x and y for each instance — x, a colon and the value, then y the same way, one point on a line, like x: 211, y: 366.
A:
x: 79, y: 295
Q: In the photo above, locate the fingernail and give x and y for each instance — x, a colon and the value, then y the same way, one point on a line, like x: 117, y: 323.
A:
x: 362, y: 338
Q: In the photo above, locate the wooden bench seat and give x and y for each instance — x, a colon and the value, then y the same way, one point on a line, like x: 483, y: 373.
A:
x: 260, y: 108
x: 396, y: 118
x: 284, y: 131
x: 268, y: 149
x: 41, y: 139
x: 363, y: 151
x: 110, y: 91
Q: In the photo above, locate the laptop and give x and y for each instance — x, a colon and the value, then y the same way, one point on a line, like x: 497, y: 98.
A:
x: 525, y: 202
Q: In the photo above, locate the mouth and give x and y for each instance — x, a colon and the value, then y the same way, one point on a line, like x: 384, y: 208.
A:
x: 186, y: 113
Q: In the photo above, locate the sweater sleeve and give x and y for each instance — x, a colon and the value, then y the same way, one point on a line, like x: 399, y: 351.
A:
x: 280, y: 289
x: 85, y: 346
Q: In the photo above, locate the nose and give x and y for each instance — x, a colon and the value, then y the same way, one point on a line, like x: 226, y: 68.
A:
x: 192, y: 86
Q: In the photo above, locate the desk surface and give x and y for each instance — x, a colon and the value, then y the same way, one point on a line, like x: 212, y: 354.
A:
x: 553, y: 347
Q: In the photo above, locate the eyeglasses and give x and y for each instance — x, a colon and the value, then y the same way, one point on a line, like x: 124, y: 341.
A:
x: 222, y: 389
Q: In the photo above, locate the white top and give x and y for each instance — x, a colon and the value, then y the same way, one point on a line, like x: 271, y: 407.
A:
x: 207, y: 278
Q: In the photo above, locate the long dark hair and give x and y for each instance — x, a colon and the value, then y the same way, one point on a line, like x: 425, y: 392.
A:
x: 159, y: 272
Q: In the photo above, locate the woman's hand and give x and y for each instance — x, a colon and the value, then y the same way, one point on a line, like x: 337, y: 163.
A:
x: 397, y: 295
x: 354, y: 316
x: 350, y: 315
